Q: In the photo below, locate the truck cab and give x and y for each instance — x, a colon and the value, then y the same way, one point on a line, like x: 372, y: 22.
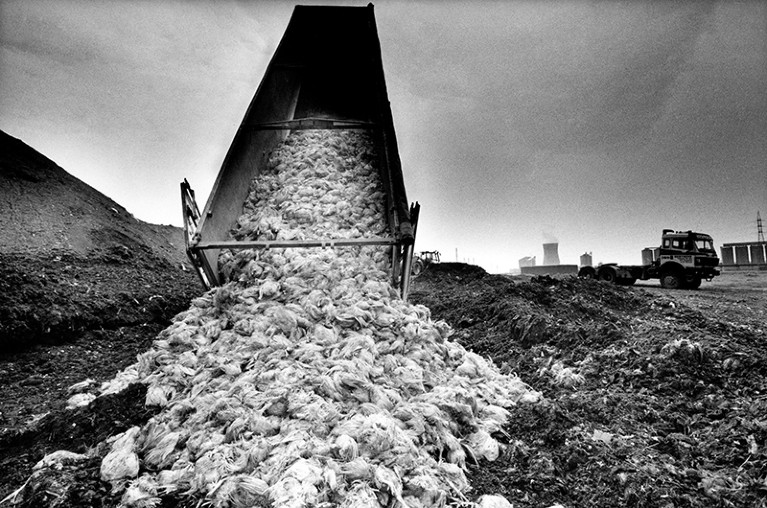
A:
x: 685, y: 259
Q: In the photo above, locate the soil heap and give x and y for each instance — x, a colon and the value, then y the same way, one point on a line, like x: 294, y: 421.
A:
x: 72, y: 259
x: 84, y: 286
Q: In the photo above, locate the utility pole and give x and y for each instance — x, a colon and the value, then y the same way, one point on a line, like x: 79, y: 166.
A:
x: 759, y: 230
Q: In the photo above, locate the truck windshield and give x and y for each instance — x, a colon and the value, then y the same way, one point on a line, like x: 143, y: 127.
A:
x: 704, y: 244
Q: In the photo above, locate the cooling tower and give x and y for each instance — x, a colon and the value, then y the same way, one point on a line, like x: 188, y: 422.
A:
x: 550, y: 254
x: 586, y: 259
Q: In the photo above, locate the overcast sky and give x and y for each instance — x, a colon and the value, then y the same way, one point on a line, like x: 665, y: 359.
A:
x: 594, y: 124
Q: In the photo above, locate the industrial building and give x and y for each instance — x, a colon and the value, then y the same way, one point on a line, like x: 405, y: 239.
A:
x: 744, y: 256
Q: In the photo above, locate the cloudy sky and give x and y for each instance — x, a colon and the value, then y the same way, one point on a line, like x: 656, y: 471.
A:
x: 594, y: 124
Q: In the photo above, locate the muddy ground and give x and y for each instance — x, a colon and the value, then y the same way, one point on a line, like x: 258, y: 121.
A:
x: 653, y: 397
x: 671, y: 408
x: 67, y: 320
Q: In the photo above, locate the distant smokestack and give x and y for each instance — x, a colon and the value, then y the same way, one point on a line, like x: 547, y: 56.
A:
x: 550, y: 254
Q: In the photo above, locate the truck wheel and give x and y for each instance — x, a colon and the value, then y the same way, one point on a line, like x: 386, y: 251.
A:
x: 608, y: 274
x: 587, y: 272
x: 417, y: 268
x: 671, y: 281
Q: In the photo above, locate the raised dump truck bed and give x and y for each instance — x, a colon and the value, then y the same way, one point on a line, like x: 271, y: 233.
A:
x: 327, y: 73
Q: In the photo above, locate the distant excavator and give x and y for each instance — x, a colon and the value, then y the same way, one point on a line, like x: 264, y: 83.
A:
x: 423, y: 260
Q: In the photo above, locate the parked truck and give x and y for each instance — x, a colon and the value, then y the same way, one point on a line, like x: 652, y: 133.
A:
x: 682, y: 261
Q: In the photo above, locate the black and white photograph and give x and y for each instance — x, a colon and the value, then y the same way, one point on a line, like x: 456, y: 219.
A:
x: 396, y: 254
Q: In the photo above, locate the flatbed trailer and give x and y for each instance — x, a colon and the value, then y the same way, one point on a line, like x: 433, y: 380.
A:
x: 327, y: 73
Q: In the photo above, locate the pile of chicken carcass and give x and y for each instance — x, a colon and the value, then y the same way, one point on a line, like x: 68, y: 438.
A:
x: 305, y: 380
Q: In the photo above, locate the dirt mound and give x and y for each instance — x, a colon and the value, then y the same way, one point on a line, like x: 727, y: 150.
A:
x: 48, y: 212
x: 84, y: 286
x: 447, y: 273
x: 655, y: 397
x: 73, y: 259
